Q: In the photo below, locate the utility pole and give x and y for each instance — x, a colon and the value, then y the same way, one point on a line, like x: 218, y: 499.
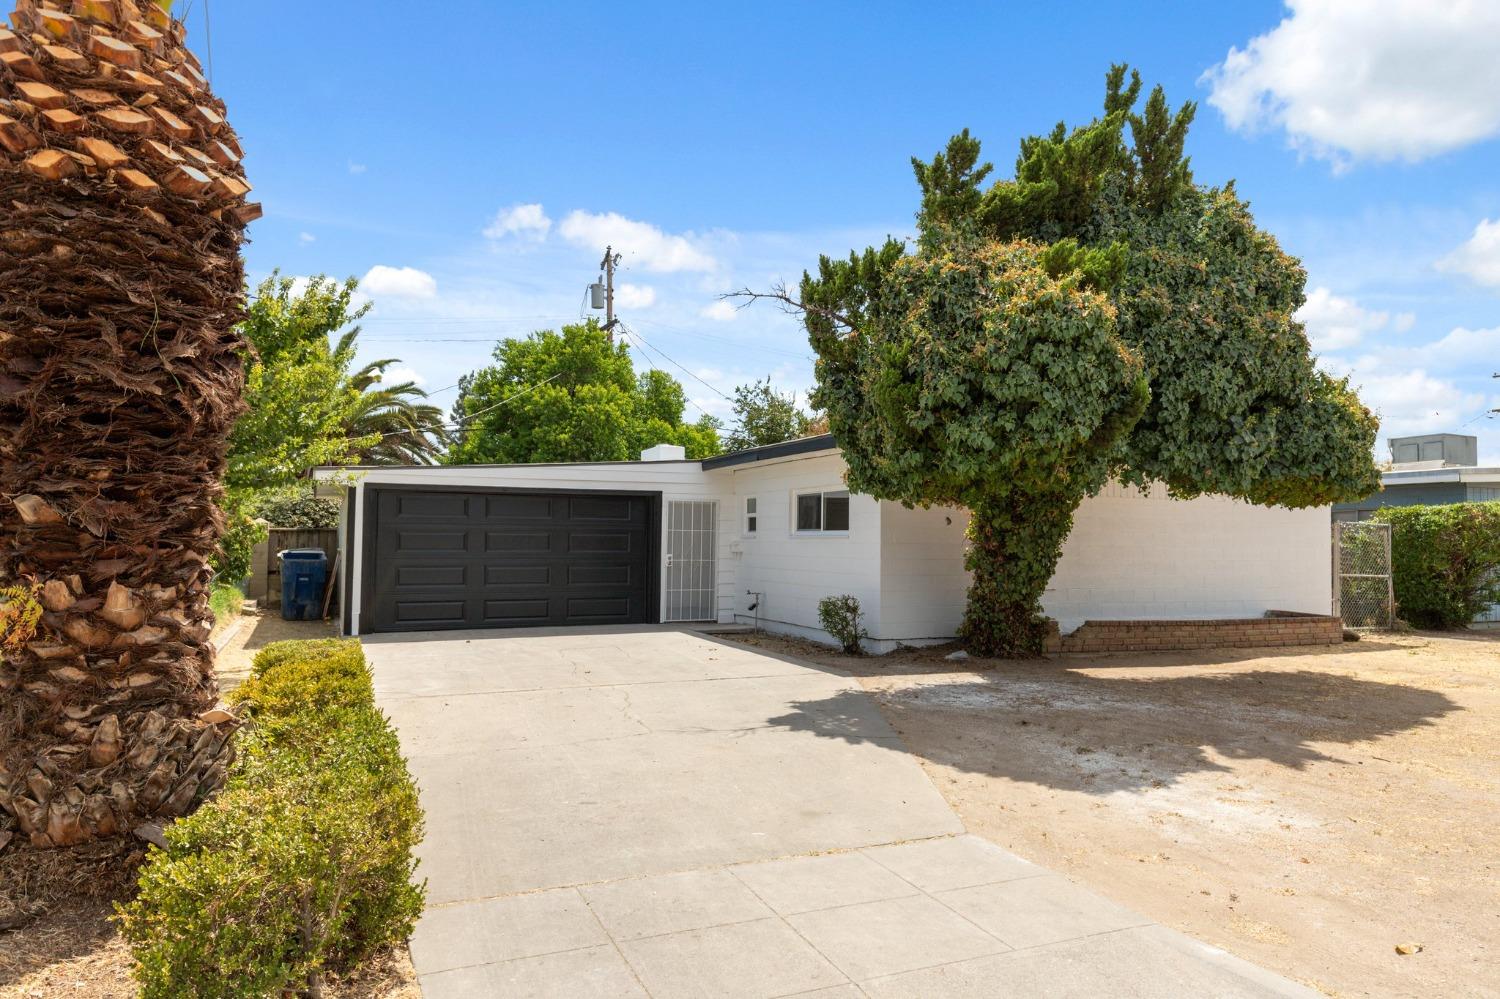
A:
x: 611, y: 259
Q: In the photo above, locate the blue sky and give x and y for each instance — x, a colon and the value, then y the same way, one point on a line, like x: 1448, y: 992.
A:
x: 470, y: 162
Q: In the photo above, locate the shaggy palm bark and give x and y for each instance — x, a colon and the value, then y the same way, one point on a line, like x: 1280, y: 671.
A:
x: 120, y: 378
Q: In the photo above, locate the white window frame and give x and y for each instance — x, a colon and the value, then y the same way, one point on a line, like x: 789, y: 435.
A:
x: 823, y: 495
x: 752, y: 516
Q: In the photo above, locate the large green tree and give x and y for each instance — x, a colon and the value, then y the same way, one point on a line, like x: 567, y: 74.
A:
x: 570, y: 395
x: 1098, y: 315
x: 297, y: 384
x: 308, y: 404
x: 764, y: 415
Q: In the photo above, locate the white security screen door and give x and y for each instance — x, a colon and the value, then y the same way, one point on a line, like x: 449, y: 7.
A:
x: 692, y: 547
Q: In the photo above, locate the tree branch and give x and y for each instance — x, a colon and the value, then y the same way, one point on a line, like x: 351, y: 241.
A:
x: 779, y: 294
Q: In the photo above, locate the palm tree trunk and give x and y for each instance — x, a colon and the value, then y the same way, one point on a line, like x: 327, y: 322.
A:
x: 120, y: 379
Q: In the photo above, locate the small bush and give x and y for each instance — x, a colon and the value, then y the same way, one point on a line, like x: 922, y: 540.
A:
x: 300, y: 510
x: 840, y: 618
x: 237, y: 546
x: 226, y: 601
x: 1445, y: 561
x: 303, y: 863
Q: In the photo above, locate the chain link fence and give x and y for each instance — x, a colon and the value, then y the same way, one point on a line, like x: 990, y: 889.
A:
x: 1363, y: 592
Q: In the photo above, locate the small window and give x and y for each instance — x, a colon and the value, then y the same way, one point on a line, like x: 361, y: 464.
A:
x: 751, y: 518
x: 822, y: 512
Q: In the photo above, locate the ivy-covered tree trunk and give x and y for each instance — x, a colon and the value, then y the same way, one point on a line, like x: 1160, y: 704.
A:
x: 120, y: 378
x: 1015, y: 540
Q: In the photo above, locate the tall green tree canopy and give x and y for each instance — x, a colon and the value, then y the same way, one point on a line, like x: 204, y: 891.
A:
x: 763, y: 415
x: 296, y: 382
x: 571, y: 395
x: 1099, y: 314
x: 308, y: 404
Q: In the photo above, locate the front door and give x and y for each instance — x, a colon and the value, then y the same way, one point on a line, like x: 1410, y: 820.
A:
x: 692, y: 560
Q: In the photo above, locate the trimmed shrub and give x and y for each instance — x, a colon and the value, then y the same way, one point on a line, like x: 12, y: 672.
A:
x: 1445, y: 561
x: 302, y: 864
x: 840, y: 618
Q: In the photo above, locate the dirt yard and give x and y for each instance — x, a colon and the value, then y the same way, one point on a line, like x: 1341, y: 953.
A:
x: 1307, y: 809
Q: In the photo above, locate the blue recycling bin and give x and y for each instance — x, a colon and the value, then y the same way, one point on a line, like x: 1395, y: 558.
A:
x: 304, y: 574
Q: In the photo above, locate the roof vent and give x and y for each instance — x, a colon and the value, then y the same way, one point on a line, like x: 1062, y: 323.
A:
x: 664, y: 452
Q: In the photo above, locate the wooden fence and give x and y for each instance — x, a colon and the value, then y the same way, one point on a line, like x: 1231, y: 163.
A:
x: 265, y: 567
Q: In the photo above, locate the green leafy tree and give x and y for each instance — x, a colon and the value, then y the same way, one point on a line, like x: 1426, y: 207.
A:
x: 297, y: 383
x: 762, y: 415
x: 1098, y: 315
x: 570, y: 395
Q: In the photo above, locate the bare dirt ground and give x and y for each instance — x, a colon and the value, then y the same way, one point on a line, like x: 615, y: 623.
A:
x: 1307, y: 809
x: 254, y: 631
x: 73, y: 950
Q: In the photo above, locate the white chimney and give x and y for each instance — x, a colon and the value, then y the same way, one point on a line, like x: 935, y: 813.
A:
x: 664, y: 452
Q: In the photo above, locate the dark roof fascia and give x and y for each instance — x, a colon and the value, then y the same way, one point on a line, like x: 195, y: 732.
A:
x: 766, y: 452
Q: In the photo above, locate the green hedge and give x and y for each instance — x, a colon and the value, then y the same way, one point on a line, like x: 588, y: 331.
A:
x: 1445, y: 561
x: 302, y: 864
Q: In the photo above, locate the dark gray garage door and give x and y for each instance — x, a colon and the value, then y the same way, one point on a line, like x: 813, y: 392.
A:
x: 505, y: 560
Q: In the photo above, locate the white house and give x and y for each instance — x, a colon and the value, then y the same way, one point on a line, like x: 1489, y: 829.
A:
x: 762, y: 535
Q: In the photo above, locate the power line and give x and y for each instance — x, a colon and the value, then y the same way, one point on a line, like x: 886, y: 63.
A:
x: 712, y: 388
x: 724, y: 339
x: 459, y: 423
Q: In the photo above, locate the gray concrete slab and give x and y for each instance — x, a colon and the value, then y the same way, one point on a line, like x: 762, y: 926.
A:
x: 628, y: 812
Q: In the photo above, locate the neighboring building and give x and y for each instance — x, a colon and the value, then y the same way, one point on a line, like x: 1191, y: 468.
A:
x: 1431, y: 470
x: 760, y: 536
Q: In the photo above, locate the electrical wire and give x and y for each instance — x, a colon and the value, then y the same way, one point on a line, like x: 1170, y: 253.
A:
x: 644, y: 343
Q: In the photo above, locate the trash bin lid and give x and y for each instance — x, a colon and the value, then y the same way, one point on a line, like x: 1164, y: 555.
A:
x: 303, y: 554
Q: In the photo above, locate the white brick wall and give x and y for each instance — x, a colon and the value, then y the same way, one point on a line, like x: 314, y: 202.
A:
x: 1147, y: 556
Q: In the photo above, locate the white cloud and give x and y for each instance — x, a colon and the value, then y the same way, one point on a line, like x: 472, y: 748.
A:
x: 527, y: 221
x: 720, y: 311
x: 1479, y: 258
x: 1335, y: 323
x: 635, y: 296
x: 1461, y: 352
x: 641, y: 243
x: 405, y: 373
x: 357, y: 168
x: 1414, y: 402
x: 306, y: 237
x: 1368, y: 79
x: 398, y: 282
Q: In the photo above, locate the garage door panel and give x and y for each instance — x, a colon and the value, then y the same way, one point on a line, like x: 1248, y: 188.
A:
x: 607, y: 574
x: 598, y: 543
x: 518, y: 541
x: 517, y: 575
x: 408, y: 576
x: 440, y: 506
x: 430, y: 611
x: 502, y: 611
x: 585, y: 508
x: 598, y: 608
x: 477, y: 559
x: 420, y: 542
x: 513, y: 507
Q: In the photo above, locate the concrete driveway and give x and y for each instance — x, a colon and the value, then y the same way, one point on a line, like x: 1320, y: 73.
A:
x: 648, y: 812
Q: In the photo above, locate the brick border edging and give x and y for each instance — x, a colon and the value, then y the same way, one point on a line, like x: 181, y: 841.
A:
x: 1275, y: 629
